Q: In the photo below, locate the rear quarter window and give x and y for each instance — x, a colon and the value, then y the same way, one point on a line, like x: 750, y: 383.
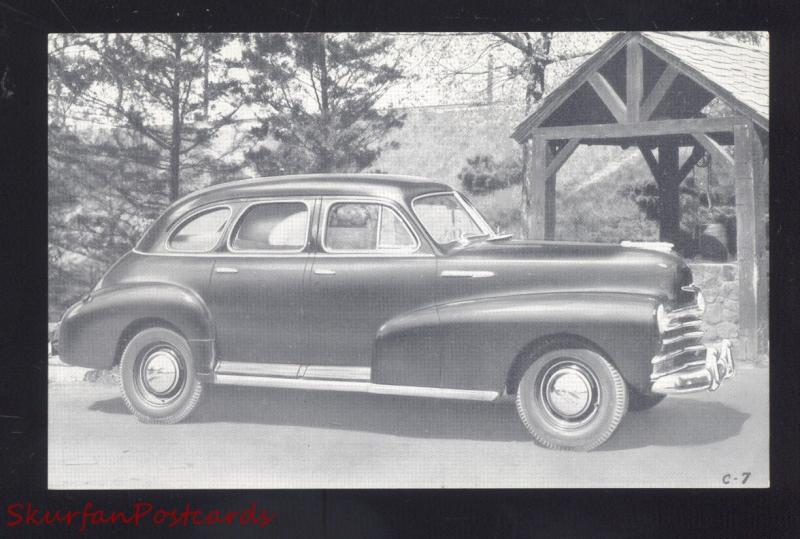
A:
x: 201, y: 232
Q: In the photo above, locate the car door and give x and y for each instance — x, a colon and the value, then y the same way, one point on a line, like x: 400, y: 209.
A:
x: 257, y: 284
x: 370, y: 266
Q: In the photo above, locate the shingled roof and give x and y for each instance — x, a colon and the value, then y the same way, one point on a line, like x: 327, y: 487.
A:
x: 737, y: 74
x: 741, y: 70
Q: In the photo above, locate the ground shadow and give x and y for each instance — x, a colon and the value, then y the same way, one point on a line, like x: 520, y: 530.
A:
x: 383, y: 414
x: 675, y: 422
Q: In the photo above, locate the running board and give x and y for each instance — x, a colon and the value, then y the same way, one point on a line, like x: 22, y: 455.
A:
x: 351, y: 386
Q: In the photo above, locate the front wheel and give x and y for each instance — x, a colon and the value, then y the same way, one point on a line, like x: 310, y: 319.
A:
x: 157, y: 377
x: 571, y: 399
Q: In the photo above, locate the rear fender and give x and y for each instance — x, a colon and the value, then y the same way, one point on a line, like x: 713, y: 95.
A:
x: 93, y: 329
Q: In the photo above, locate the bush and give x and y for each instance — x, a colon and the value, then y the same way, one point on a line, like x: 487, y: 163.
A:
x: 483, y: 175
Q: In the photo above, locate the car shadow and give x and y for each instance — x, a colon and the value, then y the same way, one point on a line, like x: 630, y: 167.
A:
x: 677, y: 422
x: 683, y: 422
x: 382, y: 414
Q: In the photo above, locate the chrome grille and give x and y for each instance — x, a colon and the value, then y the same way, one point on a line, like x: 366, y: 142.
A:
x: 680, y: 343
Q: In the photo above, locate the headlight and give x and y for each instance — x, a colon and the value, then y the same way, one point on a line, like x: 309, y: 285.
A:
x: 701, y: 302
x: 661, y: 318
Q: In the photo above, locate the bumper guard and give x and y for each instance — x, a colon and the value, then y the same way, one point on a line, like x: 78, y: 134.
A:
x: 718, y: 366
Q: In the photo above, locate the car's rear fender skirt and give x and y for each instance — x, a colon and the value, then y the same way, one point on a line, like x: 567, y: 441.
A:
x: 93, y: 330
x: 479, y: 341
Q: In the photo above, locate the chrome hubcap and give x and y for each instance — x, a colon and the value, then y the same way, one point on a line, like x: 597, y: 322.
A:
x: 161, y: 371
x: 569, y: 393
x: 161, y: 375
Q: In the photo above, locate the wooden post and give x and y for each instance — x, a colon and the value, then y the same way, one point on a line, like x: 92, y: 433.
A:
x: 761, y: 207
x: 549, y: 197
x: 669, y: 192
x: 634, y: 80
x: 535, y: 214
x: 746, y: 224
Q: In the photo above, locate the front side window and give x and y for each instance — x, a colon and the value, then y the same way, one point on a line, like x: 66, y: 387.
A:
x: 201, y: 232
x: 272, y: 226
x: 366, y: 227
x: 448, y: 219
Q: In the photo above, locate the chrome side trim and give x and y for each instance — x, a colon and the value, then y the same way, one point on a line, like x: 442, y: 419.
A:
x: 466, y: 273
x: 294, y: 370
x: 354, y: 387
x: 338, y: 373
x: 257, y: 369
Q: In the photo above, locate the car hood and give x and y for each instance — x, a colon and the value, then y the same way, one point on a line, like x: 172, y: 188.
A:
x: 588, y: 266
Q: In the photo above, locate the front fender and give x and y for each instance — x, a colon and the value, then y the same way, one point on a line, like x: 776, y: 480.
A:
x: 91, y: 330
x: 473, y: 344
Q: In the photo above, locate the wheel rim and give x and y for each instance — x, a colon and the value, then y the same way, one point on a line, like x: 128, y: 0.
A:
x: 569, y: 393
x: 160, y: 375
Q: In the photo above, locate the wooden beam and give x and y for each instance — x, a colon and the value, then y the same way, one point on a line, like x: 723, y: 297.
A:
x: 634, y: 80
x: 704, y: 82
x: 607, y: 94
x: 746, y: 251
x: 641, y: 129
x: 669, y: 193
x: 652, y: 162
x: 561, y: 93
x: 713, y: 148
x: 697, y: 154
x: 550, y: 194
x: 535, y: 218
x: 658, y: 92
x: 561, y: 157
x: 761, y: 184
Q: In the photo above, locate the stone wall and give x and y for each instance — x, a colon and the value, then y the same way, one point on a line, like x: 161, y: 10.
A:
x: 720, y: 286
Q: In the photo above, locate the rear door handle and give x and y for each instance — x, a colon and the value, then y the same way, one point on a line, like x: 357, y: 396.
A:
x: 321, y: 271
x: 224, y: 269
x: 467, y: 274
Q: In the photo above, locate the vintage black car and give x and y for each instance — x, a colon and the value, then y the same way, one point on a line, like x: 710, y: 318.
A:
x: 391, y: 285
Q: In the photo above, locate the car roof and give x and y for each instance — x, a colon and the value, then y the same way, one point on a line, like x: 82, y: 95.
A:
x: 381, y: 185
x: 393, y: 187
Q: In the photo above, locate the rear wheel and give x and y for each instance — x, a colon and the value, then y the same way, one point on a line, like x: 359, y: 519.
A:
x: 571, y: 399
x: 157, y: 377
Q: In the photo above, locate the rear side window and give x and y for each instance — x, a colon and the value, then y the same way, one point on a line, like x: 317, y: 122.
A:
x: 272, y: 226
x: 201, y: 232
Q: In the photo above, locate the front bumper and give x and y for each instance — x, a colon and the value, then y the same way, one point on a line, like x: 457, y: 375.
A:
x: 707, y: 374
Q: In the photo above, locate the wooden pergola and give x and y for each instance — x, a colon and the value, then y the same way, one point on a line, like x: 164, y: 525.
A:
x: 649, y: 90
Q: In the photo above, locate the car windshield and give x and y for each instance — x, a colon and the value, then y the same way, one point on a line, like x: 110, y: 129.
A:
x: 449, y: 218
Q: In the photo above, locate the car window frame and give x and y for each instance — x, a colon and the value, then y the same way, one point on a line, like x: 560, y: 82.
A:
x: 241, y: 214
x: 472, y: 212
x: 177, y: 225
x: 328, y: 202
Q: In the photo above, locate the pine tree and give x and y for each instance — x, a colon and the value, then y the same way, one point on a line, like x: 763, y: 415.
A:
x: 156, y: 87
x: 318, y: 96
x: 123, y: 141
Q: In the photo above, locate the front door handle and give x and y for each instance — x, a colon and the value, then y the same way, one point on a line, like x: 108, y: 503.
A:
x: 224, y: 269
x: 321, y: 271
x: 467, y: 274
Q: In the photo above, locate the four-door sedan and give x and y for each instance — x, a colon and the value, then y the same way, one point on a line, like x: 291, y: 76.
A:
x: 391, y: 285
